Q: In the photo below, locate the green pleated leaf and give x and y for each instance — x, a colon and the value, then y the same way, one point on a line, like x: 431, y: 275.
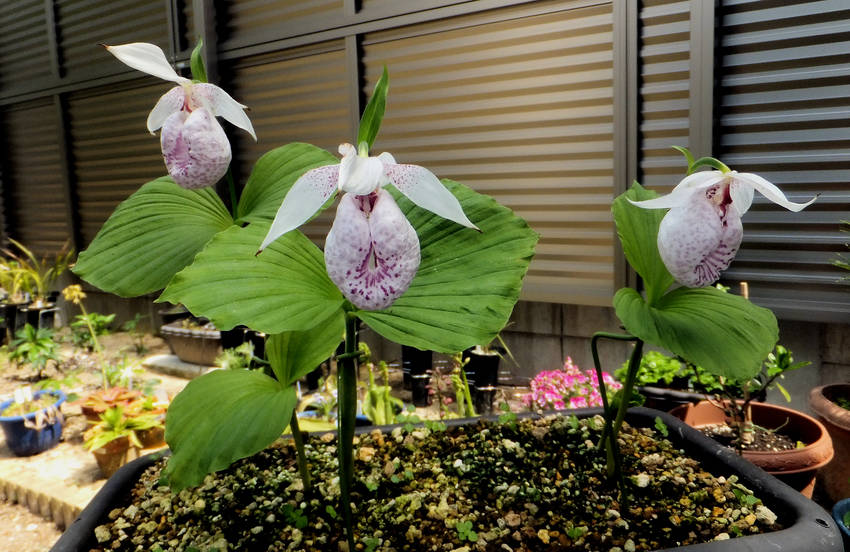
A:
x: 221, y: 417
x: 721, y: 332
x: 468, y: 281
x: 150, y: 237
x: 196, y: 62
x: 273, y: 175
x: 638, y: 231
x: 285, y: 288
x: 293, y: 355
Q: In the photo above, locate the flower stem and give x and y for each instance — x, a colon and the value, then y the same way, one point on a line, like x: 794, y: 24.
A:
x: 347, y: 410
x: 298, y: 437
x: 98, y: 349
x: 612, y: 426
x: 231, y: 185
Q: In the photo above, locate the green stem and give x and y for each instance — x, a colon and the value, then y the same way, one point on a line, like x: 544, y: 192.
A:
x: 298, y: 437
x: 347, y: 410
x: 612, y: 428
x: 232, y: 187
x: 470, y: 408
x: 98, y: 349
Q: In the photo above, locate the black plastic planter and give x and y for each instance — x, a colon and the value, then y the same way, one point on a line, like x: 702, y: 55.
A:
x: 414, y: 362
x: 485, y: 379
x: 808, y: 527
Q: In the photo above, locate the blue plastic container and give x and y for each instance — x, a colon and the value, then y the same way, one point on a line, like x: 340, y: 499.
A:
x: 838, y: 511
x: 26, y: 441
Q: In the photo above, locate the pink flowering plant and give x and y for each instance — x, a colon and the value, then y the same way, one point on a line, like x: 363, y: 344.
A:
x: 568, y: 387
x: 422, y: 261
x: 678, y: 254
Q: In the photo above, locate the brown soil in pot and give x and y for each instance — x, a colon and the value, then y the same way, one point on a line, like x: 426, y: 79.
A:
x: 530, y: 485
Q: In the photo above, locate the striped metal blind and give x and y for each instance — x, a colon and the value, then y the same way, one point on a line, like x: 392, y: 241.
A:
x: 41, y: 213
x: 520, y: 109
x: 301, y: 96
x: 664, y: 95
x: 113, y: 152
x: 244, y: 22
x: 84, y: 25
x: 785, y: 114
x: 24, y: 51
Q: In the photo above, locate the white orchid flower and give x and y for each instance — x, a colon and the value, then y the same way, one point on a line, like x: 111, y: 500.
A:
x: 196, y: 150
x: 700, y: 235
x: 372, y: 251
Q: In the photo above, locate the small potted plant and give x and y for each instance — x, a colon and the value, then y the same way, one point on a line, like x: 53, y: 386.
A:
x: 34, y: 347
x: 114, y: 440
x: 39, y: 277
x: 784, y: 442
x: 32, y: 422
x: 154, y: 436
x: 193, y: 340
x: 482, y: 371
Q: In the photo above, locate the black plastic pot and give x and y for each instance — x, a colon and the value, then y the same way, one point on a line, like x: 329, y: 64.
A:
x: 420, y: 389
x: 41, y: 317
x: 808, y: 527
x: 485, y: 379
x: 661, y: 398
x: 414, y: 362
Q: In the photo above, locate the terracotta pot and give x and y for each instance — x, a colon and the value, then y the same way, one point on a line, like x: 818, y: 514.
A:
x: 835, y: 477
x: 797, y: 467
x: 151, y: 438
x: 114, y: 454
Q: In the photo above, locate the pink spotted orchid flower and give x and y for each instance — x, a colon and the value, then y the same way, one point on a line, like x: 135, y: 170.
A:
x: 372, y: 251
x: 195, y: 147
x: 701, y: 233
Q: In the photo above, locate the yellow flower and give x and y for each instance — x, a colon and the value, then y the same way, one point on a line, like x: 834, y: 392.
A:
x: 74, y: 293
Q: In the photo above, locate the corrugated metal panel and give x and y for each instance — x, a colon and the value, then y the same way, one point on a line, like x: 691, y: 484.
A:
x: 521, y: 110
x: 113, y: 152
x: 24, y: 49
x: 84, y: 25
x: 785, y: 114
x: 249, y: 21
x: 34, y: 177
x: 664, y: 96
x: 300, y: 95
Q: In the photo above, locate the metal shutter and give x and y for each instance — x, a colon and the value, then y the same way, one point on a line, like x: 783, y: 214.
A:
x: 24, y: 48
x: 519, y: 107
x: 249, y: 22
x: 664, y: 91
x: 36, y: 188
x: 300, y: 95
x: 112, y: 150
x: 785, y: 114
x: 84, y: 25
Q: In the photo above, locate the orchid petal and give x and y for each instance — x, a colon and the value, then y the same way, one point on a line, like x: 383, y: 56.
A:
x: 696, y: 243
x: 360, y: 175
x: 372, y: 251
x: 304, y: 198
x: 424, y: 189
x: 169, y: 103
x: 681, y: 194
x: 221, y: 104
x: 195, y: 148
x: 741, y: 193
x: 147, y: 58
x: 772, y: 192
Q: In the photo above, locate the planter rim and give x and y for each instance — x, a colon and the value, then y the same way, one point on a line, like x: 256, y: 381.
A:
x: 60, y: 398
x: 826, y: 408
x: 838, y: 511
x: 808, y: 526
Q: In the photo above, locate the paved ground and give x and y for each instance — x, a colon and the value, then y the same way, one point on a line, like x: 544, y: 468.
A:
x: 23, y: 531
